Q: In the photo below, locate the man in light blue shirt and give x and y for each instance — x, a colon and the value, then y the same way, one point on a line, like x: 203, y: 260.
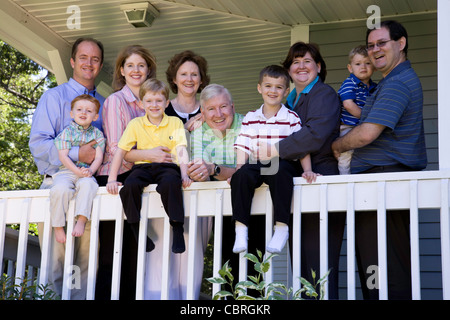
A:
x: 51, y: 116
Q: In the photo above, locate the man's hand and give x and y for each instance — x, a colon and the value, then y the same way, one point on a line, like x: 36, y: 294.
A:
x: 199, y: 170
x: 86, y: 152
x: 335, y: 149
x: 161, y: 154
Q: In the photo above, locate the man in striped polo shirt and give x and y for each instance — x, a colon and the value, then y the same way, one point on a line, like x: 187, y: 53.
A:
x: 389, y: 138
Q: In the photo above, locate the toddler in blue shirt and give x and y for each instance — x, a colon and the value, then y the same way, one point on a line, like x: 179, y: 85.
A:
x: 353, y: 93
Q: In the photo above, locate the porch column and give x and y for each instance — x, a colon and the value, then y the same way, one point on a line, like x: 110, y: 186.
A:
x: 443, y: 14
x: 300, y: 33
x: 58, y: 66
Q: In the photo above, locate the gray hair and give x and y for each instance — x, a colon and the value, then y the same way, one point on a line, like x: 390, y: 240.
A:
x: 213, y: 90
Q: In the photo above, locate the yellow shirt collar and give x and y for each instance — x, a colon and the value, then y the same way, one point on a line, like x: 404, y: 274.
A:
x: 164, y: 122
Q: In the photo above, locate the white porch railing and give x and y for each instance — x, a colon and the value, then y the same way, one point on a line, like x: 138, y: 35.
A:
x: 405, y: 190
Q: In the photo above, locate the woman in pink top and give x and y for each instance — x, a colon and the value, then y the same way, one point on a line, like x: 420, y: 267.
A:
x: 134, y: 65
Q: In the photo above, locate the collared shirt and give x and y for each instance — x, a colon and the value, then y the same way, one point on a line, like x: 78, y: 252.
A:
x: 214, y: 149
x: 256, y: 127
x: 292, y: 98
x: 118, y: 110
x: 75, y: 135
x: 354, y: 89
x: 51, y: 116
x: 143, y: 134
x: 397, y: 104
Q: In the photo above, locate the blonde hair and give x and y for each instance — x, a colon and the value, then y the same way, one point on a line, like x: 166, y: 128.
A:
x: 362, y: 50
x: 154, y: 85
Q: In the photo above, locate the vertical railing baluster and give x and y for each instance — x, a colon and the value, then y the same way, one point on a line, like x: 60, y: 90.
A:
x: 218, y: 232
x: 166, y: 255
x: 117, y: 254
x: 93, y: 249
x: 23, y: 241
x: 382, y: 243
x: 46, y: 244
x: 351, y: 272
x: 3, y: 208
x: 192, y: 248
x: 296, y: 238
x: 414, y: 234
x: 268, y: 276
x: 68, y: 258
x: 242, y: 266
x: 445, y: 239
x: 323, y: 225
x: 142, y: 244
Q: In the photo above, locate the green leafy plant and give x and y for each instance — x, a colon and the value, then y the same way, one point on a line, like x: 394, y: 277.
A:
x: 9, y: 290
x: 266, y: 290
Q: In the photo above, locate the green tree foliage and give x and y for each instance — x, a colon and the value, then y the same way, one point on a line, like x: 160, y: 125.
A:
x: 22, y: 82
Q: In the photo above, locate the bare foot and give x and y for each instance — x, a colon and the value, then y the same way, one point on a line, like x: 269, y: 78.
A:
x: 60, y: 235
x: 78, y: 230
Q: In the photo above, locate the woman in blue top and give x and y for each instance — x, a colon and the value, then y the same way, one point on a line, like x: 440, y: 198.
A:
x: 318, y: 106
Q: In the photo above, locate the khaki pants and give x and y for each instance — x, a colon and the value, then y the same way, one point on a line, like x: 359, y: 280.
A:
x: 57, y: 253
x: 345, y: 158
x: 66, y: 186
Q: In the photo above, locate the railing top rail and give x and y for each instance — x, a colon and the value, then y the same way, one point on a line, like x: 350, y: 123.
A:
x: 335, y: 179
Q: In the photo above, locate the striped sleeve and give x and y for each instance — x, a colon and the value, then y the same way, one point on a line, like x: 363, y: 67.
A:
x: 295, y: 122
x: 246, y: 134
x: 63, y: 141
x: 100, y: 139
x: 347, y: 90
x: 115, y: 114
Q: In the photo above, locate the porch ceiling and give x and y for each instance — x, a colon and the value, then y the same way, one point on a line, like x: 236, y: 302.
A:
x: 236, y: 37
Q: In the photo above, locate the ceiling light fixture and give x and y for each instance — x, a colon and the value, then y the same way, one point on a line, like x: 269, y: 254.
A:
x: 139, y: 15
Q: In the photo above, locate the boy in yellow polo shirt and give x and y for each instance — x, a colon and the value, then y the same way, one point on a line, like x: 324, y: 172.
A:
x: 147, y: 132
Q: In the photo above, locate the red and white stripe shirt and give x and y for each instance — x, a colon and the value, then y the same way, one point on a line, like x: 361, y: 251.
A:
x: 256, y: 127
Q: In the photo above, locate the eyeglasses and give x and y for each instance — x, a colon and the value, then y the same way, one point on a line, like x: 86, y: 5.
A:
x: 379, y: 44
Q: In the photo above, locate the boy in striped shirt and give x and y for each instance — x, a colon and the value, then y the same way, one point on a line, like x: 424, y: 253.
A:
x: 353, y: 93
x: 271, y: 122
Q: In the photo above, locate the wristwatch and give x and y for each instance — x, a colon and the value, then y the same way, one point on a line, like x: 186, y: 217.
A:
x: 216, y: 170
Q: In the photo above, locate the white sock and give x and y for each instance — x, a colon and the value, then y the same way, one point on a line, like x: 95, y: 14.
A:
x: 241, y: 241
x: 279, y: 238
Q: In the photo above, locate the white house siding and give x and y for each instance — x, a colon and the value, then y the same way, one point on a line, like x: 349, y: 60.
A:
x: 335, y: 41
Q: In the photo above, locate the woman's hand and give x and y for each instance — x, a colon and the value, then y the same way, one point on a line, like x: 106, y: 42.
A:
x: 113, y: 187
x: 194, y: 122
